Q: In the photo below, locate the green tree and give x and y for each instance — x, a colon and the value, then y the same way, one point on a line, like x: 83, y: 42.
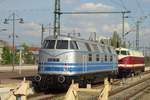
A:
x: 16, y: 58
x: 6, y: 56
x: 116, y: 40
x: 147, y: 61
x: 27, y: 55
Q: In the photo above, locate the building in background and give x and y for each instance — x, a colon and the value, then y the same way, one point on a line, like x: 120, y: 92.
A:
x: 35, y: 52
x: 30, y: 55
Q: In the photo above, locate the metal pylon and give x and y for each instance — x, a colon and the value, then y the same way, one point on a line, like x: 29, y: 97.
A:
x: 57, y: 14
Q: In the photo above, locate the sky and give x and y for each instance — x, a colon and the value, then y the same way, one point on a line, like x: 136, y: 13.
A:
x: 38, y: 12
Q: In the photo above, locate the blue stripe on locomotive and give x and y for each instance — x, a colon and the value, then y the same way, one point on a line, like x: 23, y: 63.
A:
x: 77, y: 67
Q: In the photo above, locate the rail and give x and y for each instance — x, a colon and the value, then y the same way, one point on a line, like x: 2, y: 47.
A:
x: 76, y: 93
x: 131, y: 90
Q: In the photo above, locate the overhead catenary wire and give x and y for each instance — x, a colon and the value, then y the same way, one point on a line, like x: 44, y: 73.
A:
x: 46, y: 10
x: 115, y: 2
x: 142, y: 10
x: 27, y: 10
x: 120, y: 4
x: 2, y: 1
x: 123, y: 4
x: 140, y: 7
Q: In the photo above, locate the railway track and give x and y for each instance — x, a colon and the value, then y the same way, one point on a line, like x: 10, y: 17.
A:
x: 43, y: 96
x: 57, y: 96
x: 131, y: 90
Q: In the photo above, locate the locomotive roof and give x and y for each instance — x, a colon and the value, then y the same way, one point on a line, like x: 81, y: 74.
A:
x: 125, y: 49
x: 64, y: 37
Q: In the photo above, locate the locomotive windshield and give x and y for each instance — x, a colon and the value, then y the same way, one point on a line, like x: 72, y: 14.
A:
x: 124, y: 52
x: 62, y: 44
x: 49, y: 44
x: 117, y: 51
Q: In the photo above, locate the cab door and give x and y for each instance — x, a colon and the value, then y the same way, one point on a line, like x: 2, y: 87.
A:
x: 84, y: 63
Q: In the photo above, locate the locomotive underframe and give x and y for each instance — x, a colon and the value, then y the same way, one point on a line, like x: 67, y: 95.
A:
x: 128, y: 71
x: 63, y: 81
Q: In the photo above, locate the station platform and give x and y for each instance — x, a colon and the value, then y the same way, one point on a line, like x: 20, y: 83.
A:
x: 4, y: 68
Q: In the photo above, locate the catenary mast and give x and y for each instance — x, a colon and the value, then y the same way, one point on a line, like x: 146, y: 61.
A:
x: 57, y: 14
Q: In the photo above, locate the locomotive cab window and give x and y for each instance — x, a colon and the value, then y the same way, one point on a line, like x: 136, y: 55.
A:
x: 124, y: 52
x: 90, y: 57
x: 62, y: 44
x: 105, y: 58
x: 49, y: 44
x: 97, y: 57
x: 111, y: 58
x: 117, y: 51
x: 73, y: 45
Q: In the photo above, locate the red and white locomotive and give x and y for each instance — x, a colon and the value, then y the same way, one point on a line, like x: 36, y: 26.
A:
x: 130, y: 61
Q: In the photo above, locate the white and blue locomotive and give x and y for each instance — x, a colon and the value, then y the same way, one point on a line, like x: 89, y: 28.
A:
x: 65, y: 58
